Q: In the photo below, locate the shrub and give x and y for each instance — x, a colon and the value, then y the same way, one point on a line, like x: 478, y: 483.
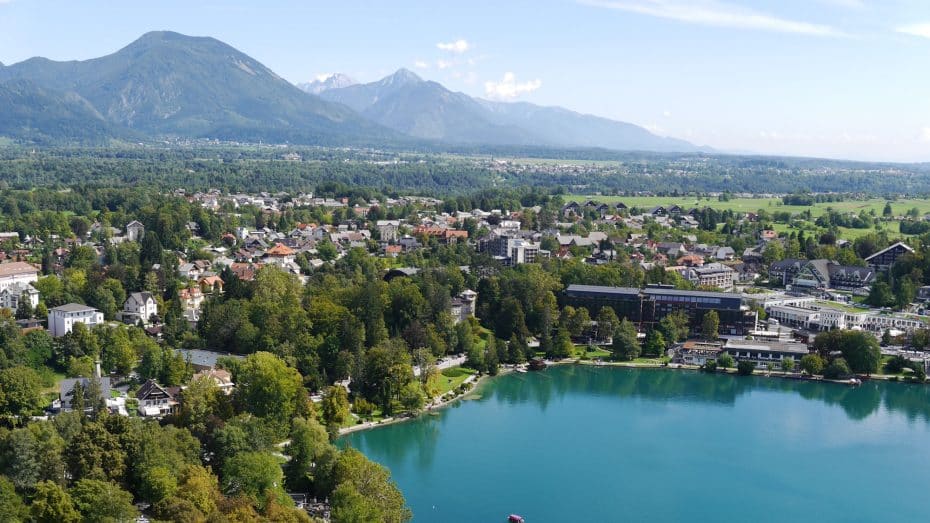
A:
x: 838, y: 368
x: 745, y: 368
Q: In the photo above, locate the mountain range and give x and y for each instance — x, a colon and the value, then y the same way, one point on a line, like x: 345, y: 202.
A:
x: 330, y: 81
x: 167, y: 84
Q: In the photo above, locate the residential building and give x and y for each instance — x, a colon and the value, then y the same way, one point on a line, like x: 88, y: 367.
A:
x: 135, y: 231
x: 66, y: 393
x: 140, y: 307
x: 10, y: 297
x: 222, y: 378
x: 61, y: 319
x: 155, y: 400
x: 17, y: 273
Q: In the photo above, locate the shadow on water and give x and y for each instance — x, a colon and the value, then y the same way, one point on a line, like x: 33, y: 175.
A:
x: 415, y: 441
x: 664, y: 386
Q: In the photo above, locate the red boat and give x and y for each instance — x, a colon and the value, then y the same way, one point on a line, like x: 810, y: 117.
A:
x: 513, y: 518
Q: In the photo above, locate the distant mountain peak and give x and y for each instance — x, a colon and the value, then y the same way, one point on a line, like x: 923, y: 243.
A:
x: 401, y: 76
x: 325, y: 82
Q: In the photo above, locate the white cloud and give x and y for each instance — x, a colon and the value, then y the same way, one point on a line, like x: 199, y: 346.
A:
x: 713, y: 13
x: 322, y: 77
x: 458, y: 46
x: 444, y: 64
x: 420, y: 64
x: 667, y: 114
x: 924, y: 135
x: 922, y: 30
x: 508, y: 88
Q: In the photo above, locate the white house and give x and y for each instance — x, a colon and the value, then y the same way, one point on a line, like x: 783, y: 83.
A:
x: 16, y: 273
x: 10, y: 297
x: 139, y: 306
x: 135, y: 231
x: 61, y: 319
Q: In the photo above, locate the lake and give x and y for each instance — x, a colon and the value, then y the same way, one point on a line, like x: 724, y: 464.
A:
x: 579, y: 443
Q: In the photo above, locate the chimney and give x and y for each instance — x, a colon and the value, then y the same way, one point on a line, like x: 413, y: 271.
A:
x: 97, y: 369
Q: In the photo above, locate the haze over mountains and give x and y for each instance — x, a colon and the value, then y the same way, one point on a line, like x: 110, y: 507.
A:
x: 170, y: 85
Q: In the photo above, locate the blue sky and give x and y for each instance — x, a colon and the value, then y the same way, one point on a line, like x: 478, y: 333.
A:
x: 834, y: 78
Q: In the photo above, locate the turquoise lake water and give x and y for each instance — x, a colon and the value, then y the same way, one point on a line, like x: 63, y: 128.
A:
x: 578, y: 444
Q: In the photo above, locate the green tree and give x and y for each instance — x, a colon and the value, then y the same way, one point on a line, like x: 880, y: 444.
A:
x: 655, y: 344
x: 787, y: 364
x: 745, y: 368
x: 606, y: 322
x: 859, y: 349
x: 254, y: 475
x: 202, y: 400
x: 386, y: 370
x: 335, y: 408
x: 562, y: 346
x: 102, y: 501
x: 412, y: 397
x: 200, y: 487
x: 492, y: 356
x: 12, y: 508
x: 625, y: 344
x: 350, y: 506
x: 52, y: 504
x: 880, y: 295
x: 578, y: 321
x: 95, y: 453
x: 268, y: 388
x: 837, y: 369
x: 308, y: 452
x: 674, y: 326
x: 812, y: 364
x: 372, y: 482
x: 710, y: 325
x: 20, y: 391
x: 516, y: 351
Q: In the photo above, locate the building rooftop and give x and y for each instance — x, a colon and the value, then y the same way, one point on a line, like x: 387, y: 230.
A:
x: 601, y: 289
x: 74, y: 307
x: 16, y: 268
x: 697, y: 294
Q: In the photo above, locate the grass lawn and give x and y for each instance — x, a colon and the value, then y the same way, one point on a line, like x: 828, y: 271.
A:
x: 841, y: 306
x: 598, y: 352
x: 451, y: 378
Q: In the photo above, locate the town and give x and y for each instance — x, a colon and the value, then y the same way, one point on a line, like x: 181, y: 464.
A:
x: 371, y: 309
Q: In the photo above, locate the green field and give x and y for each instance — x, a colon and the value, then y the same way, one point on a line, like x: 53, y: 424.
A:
x: 898, y: 207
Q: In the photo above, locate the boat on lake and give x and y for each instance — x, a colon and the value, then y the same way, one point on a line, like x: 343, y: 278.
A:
x: 513, y: 518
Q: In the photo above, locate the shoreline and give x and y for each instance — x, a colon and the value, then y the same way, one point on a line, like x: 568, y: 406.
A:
x: 432, y: 407
x: 595, y: 363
